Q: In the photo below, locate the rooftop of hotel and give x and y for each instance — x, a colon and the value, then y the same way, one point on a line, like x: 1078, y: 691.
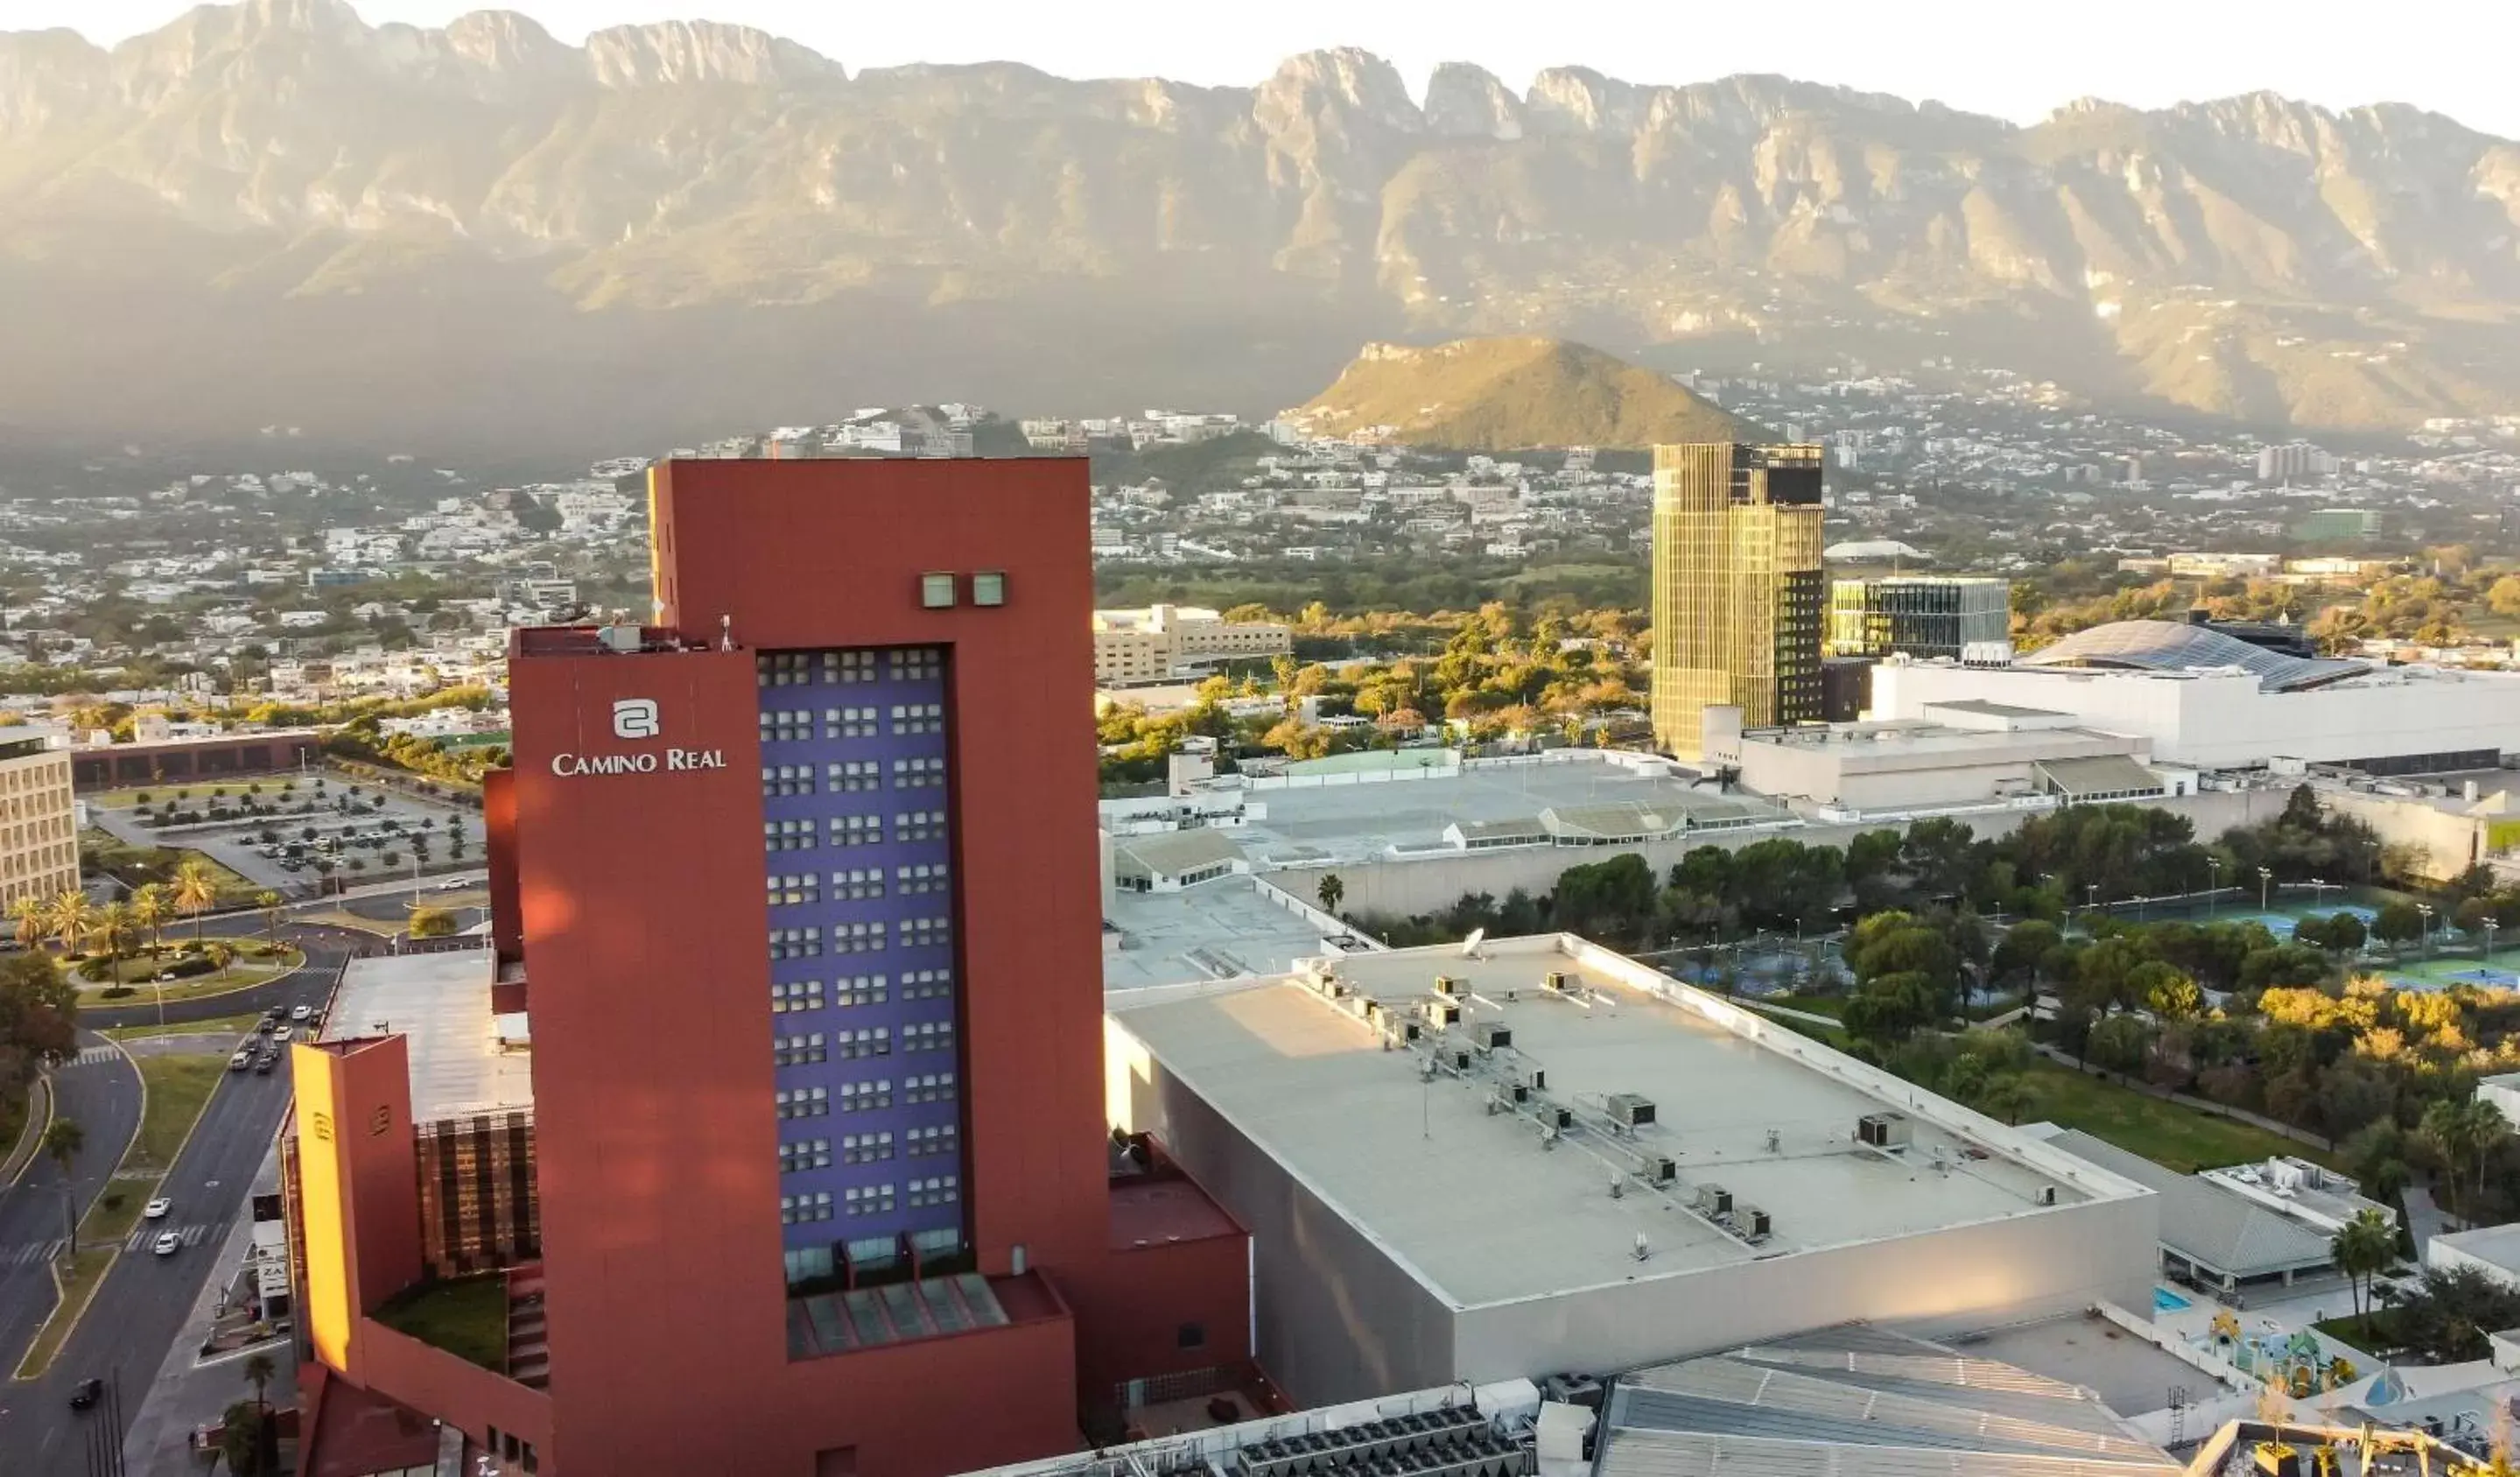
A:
x: 1212, y: 930
x: 1399, y: 1137
x: 440, y: 1004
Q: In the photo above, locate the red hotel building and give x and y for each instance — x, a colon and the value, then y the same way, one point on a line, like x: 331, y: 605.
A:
x: 799, y: 891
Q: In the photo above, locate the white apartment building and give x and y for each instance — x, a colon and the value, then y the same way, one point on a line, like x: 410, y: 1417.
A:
x: 38, y: 834
x: 1163, y: 641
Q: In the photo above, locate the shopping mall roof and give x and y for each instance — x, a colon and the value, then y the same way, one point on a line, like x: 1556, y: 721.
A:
x: 2204, y: 1223
x: 1861, y: 1402
x: 2174, y: 646
x: 440, y: 1004
x: 1400, y: 1141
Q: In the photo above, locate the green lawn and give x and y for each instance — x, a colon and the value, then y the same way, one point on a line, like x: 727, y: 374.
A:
x: 466, y: 1316
x: 242, y: 974
x: 226, y: 1025
x: 2369, y: 1334
x: 1831, y: 1005
x: 2167, y: 1133
x: 87, y: 1271
x: 180, y: 1084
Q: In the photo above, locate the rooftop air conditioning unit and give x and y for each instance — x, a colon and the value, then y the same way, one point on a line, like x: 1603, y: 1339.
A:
x: 1447, y: 985
x: 2046, y: 1195
x: 1555, y: 980
x: 1534, y: 1078
x: 1713, y: 1200
x: 1753, y: 1221
x: 1560, y: 1117
x: 1631, y: 1109
x: 1885, y: 1131
x: 1441, y: 1013
x: 1461, y: 1061
x: 1660, y: 1169
x: 1488, y: 1035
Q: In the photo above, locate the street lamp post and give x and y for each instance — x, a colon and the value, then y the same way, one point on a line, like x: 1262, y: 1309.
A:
x: 2091, y: 898
x: 2490, y: 927
x: 2213, y: 870
x: 2425, y: 911
x: 2264, y: 875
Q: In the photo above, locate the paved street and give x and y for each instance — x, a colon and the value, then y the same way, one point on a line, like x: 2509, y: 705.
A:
x: 146, y: 1299
x: 101, y: 1092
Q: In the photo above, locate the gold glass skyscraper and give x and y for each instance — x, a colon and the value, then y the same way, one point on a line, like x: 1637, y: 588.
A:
x: 1737, y: 592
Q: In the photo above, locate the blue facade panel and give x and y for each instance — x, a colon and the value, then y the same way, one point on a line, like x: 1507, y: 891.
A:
x: 856, y: 838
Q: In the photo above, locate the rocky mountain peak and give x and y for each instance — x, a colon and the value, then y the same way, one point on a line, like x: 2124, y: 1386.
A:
x: 1467, y: 100
x: 685, y: 52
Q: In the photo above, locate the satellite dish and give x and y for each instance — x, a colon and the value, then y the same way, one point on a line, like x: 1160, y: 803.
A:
x: 1470, y: 945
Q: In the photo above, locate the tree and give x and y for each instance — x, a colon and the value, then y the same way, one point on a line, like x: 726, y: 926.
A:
x: 2168, y: 993
x: 259, y: 1372
x: 2119, y: 1043
x: 28, y: 914
x: 241, y: 1438
x: 2363, y: 1248
x: 72, y: 917
x: 113, y: 927
x: 2465, y: 1132
x: 2398, y: 923
x: 2474, y: 913
x: 1607, y: 899
x: 432, y: 923
x: 1331, y: 891
x: 269, y: 904
x: 149, y: 913
x: 196, y: 888
x: 2006, y: 1096
x: 2016, y: 958
x: 62, y: 1140
x: 1888, y: 1009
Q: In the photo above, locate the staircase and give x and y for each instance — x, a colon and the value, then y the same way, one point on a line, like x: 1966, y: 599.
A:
x: 528, y: 1352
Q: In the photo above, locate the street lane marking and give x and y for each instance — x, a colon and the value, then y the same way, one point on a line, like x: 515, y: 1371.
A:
x: 91, y: 1056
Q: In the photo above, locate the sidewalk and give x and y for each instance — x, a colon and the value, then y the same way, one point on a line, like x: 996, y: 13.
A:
x: 190, y: 1391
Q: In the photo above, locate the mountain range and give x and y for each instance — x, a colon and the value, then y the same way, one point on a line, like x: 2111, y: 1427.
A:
x: 273, y: 211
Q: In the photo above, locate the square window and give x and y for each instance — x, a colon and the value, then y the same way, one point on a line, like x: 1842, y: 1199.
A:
x: 989, y: 587
x: 936, y: 591
x: 1190, y: 1336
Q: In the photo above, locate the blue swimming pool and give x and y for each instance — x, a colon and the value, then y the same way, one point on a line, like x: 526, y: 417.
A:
x: 2166, y: 1301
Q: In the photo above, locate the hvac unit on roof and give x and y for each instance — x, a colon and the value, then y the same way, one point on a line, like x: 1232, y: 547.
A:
x: 1488, y: 1035
x: 1630, y: 1109
x: 1447, y: 985
x: 1555, y: 980
x: 1440, y: 1013
x: 1885, y: 1131
x: 1713, y: 1200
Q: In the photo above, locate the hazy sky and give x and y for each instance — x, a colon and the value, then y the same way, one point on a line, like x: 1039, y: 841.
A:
x: 2014, y: 57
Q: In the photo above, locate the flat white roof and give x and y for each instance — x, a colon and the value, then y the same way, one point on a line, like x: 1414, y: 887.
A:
x: 1485, y: 1210
x: 440, y: 1002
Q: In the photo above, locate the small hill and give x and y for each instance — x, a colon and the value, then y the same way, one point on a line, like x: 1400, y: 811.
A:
x: 1511, y: 395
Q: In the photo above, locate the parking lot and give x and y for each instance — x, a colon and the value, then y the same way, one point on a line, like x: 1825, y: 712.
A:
x: 353, y: 832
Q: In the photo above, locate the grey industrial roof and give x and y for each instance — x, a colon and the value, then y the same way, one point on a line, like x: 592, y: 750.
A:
x: 1858, y: 1402
x: 2099, y: 774
x: 1313, y: 1086
x: 2176, y: 646
x: 1622, y: 820
x: 1169, y: 853
x: 2497, y: 1244
x: 440, y: 1004
x: 2204, y: 1222
x: 1492, y: 830
x: 1992, y: 709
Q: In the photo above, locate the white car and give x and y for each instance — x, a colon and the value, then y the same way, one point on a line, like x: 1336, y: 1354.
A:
x: 302, y: 1012
x: 156, y: 1209
x: 283, y: 1033
x: 166, y: 1244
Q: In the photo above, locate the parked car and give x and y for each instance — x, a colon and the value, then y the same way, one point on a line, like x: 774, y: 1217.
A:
x: 155, y: 1210
x: 166, y: 1244
x: 85, y: 1393
x: 302, y: 1012
x: 242, y: 1059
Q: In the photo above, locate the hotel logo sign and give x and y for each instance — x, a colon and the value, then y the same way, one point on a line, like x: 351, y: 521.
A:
x: 636, y: 719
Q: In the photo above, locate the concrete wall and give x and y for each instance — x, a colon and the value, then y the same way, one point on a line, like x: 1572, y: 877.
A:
x: 2029, y: 1265
x: 2450, y: 843
x: 1426, y: 884
x: 1338, y: 1318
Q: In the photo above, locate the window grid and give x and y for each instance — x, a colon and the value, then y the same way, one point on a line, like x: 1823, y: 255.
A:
x: 794, y: 1209
x: 916, y: 663
x: 918, y: 825
x: 874, y: 1092
x: 854, y: 774
x: 787, y: 779
x: 857, y: 830
x: 872, y: 1041
x: 927, y: 1036
x: 857, y: 883
x: 924, y: 877
x: 922, y: 1143
x: 861, y: 990
x: 919, y: 773
x: 784, y: 669
x: 935, y: 1189
x: 794, y: 995
x: 927, y: 983
x: 848, y: 667
x: 795, y: 943
x: 916, y: 717
x: 789, y: 888
x: 786, y: 725
x: 800, y: 1050
x: 804, y: 1102
x: 927, y: 933
x: 932, y: 1088
x: 804, y: 1154
x: 867, y: 1148
x: 788, y: 835
x: 870, y: 1200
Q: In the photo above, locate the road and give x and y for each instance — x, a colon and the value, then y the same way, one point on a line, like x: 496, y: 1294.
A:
x: 288, y: 989
x: 141, y: 1308
x: 100, y: 1091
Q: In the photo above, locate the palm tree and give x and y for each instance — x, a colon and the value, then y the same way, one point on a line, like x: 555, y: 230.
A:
x: 2465, y: 1133
x: 2363, y: 1248
x: 62, y: 1140
x: 149, y: 913
x: 71, y: 917
x: 195, y: 891
x: 259, y: 1372
x: 269, y: 902
x: 1330, y: 892
x: 28, y: 914
x: 113, y: 928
